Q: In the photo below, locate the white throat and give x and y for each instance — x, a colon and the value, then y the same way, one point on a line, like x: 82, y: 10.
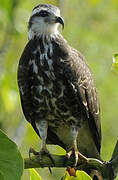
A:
x: 39, y: 29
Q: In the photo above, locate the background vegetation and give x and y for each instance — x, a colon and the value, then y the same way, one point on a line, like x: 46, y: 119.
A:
x: 91, y: 26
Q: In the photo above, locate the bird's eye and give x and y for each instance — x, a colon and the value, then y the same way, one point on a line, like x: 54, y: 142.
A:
x: 43, y: 13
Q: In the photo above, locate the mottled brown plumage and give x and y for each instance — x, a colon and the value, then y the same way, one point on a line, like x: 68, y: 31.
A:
x: 57, y: 91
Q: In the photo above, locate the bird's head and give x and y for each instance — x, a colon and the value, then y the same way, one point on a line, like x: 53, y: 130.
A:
x: 44, y: 20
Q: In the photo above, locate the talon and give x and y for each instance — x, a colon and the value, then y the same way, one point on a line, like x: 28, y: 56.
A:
x: 69, y: 154
x: 50, y: 170
x: 45, y: 151
x: 31, y: 150
x: 42, y: 152
x: 84, y: 158
x: 77, y: 155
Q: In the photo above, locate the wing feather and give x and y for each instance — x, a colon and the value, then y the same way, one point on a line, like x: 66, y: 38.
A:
x: 24, y: 83
x: 84, y: 84
x: 78, y: 75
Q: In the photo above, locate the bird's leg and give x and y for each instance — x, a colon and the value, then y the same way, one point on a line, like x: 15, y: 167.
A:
x: 78, y: 154
x: 74, y: 150
x: 42, y: 127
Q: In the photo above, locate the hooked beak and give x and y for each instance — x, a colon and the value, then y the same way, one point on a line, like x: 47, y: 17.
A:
x: 60, y: 20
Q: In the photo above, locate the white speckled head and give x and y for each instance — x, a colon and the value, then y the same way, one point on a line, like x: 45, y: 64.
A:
x: 44, y: 20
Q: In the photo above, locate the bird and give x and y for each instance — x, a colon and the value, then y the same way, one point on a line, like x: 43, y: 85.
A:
x: 57, y: 91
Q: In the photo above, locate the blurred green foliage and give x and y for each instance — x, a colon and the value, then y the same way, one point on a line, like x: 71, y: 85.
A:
x: 91, y: 26
x: 115, y: 63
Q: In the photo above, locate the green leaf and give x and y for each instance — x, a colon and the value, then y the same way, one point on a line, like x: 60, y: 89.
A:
x: 11, y: 162
x: 80, y: 175
x: 1, y: 177
x: 34, y: 175
x: 115, y: 63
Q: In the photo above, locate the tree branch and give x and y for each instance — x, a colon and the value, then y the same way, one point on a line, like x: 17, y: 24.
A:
x: 103, y: 168
x: 108, y: 170
x: 60, y: 161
